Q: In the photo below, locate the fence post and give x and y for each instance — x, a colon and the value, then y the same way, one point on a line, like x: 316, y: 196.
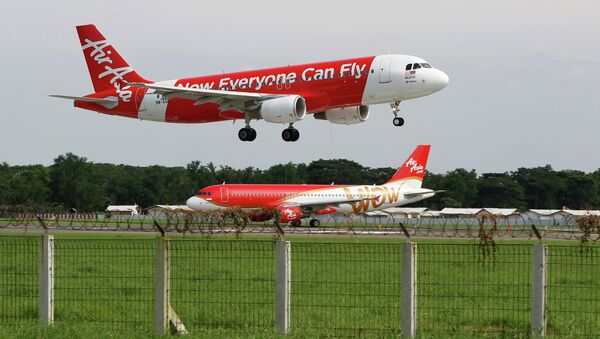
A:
x: 282, y: 285
x: 47, y: 280
x: 161, y: 286
x: 409, y: 290
x: 538, y: 291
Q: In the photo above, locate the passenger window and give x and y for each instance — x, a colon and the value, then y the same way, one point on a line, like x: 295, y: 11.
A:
x: 415, y: 66
x: 408, y: 67
x: 426, y: 65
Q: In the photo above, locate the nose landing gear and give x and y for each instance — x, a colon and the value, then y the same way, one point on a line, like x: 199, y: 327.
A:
x: 290, y: 134
x: 398, y: 121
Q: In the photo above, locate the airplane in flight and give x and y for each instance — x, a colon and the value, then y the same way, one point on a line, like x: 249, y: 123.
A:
x: 292, y: 203
x: 337, y: 91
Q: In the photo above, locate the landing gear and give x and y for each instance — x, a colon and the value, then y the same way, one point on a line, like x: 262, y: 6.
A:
x: 290, y: 134
x: 315, y: 223
x: 296, y: 223
x: 247, y: 134
x: 398, y: 121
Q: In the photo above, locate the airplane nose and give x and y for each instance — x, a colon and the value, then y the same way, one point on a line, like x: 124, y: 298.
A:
x: 442, y: 79
x: 194, y: 203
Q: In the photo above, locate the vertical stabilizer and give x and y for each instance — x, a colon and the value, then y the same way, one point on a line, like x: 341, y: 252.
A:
x: 107, y: 68
x: 414, y: 166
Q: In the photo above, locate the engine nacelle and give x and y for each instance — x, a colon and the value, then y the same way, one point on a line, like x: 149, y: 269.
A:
x: 289, y: 214
x: 345, y: 115
x: 284, y: 110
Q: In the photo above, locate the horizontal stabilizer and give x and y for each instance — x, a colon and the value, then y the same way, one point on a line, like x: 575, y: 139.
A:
x: 420, y: 191
x: 108, y: 102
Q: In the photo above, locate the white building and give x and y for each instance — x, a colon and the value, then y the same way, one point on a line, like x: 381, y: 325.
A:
x: 113, y: 210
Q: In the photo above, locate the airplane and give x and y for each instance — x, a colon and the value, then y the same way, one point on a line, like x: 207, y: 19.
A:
x: 292, y: 203
x: 337, y: 91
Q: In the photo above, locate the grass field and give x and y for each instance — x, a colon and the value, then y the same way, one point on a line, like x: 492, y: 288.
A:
x: 224, y: 287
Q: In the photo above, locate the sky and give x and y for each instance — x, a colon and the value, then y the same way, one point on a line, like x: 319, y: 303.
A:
x: 524, y: 85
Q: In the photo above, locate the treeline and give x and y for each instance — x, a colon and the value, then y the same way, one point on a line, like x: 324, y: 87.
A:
x: 74, y: 182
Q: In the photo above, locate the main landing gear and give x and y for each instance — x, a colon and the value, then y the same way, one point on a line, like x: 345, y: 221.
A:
x: 315, y: 223
x: 398, y: 121
x: 247, y: 134
x: 290, y: 134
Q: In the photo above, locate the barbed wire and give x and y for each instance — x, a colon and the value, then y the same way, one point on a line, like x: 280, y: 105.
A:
x: 236, y: 221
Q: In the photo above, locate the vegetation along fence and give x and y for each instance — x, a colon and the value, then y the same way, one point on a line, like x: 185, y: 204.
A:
x: 199, y: 285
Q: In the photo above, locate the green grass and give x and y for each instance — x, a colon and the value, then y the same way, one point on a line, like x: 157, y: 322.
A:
x: 224, y: 287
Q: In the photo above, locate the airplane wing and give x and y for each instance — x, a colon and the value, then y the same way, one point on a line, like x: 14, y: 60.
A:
x: 226, y: 99
x: 108, y: 102
x: 324, y: 204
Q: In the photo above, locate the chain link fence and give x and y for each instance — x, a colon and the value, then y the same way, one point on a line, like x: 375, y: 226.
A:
x: 219, y: 284
x: 346, y: 289
x: 339, y: 289
x: 476, y: 289
x: 105, y: 282
x: 19, y: 277
x: 573, y: 291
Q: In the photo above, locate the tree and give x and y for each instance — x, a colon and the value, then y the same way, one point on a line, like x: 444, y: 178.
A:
x: 542, y: 186
x: 500, y: 190
x: 461, y: 187
x: 72, y: 184
x: 580, y: 190
x: 337, y: 170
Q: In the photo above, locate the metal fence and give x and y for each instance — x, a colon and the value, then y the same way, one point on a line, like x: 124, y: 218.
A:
x: 19, y: 268
x: 104, y: 282
x: 207, y: 223
x: 346, y: 289
x: 223, y: 284
x: 573, y: 291
x: 474, y: 289
x: 255, y: 287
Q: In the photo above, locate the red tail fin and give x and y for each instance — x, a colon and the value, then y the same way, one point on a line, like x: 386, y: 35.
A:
x: 107, y: 68
x: 414, y: 166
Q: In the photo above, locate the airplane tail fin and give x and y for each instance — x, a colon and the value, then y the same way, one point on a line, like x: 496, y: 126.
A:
x: 107, y: 68
x: 414, y: 166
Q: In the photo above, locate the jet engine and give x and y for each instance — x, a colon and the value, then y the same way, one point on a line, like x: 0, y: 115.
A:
x: 284, y: 110
x: 345, y: 115
x: 289, y: 214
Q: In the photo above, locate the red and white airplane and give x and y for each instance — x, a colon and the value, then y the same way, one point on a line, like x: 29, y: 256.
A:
x: 295, y: 202
x: 337, y: 91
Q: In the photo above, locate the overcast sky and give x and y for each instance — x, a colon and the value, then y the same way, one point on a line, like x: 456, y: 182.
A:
x: 524, y: 80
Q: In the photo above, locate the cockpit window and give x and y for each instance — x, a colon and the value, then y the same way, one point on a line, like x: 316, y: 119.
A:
x: 415, y: 66
x: 408, y: 67
x: 426, y: 65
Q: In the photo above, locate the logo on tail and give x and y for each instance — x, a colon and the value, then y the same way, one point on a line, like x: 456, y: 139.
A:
x: 414, y: 166
x: 107, y: 68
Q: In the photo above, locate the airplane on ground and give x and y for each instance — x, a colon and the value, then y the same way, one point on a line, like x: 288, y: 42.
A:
x: 295, y: 202
x: 338, y: 91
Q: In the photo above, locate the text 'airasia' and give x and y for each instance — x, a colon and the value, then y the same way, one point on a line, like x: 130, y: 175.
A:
x: 337, y: 91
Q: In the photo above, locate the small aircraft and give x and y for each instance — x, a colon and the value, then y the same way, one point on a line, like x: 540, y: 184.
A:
x: 292, y: 203
x: 337, y: 91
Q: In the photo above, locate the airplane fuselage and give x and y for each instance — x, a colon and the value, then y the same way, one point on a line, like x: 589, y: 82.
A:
x: 268, y: 196
x: 324, y: 86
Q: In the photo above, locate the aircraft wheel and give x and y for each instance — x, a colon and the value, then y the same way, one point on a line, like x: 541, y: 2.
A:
x: 247, y: 134
x: 296, y: 135
x: 252, y: 136
x: 296, y: 223
x: 315, y: 223
x: 287, y: 134
x: 398, y: 121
